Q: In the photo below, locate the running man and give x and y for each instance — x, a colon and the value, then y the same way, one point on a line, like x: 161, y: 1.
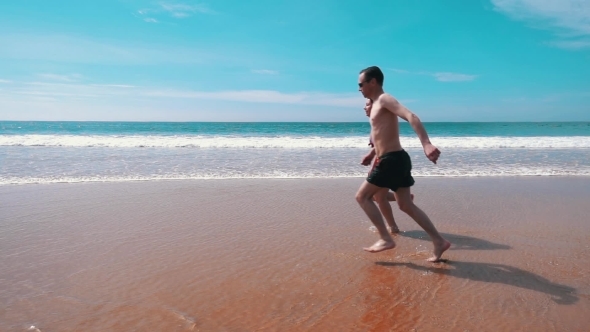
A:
x: 383, y: 198
x: 393, y: 165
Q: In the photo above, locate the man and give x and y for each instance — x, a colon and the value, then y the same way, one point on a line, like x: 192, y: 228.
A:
x: 383, y: 198
x: 393, y: 165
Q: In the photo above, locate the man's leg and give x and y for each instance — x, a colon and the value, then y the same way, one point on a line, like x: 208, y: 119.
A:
x: 391, y: 196
x: 364, y: 198
x: 406, y: 204
x: 383, y: 203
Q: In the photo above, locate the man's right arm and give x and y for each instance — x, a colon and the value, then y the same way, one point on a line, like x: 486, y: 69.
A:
x: 367, y: 159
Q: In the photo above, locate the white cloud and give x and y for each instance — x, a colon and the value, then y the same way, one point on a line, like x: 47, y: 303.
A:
x: 179, y: 14
x: 265, y: 71
x: 439, y: 76
x: 263, y: 96
x: 548, y: 98
x: 121, y: 102
x: 108, y: 91
x: 176, y: 10
x: 570, y: 44
x: 568, y: 19
x: 61, y: 78
x: 184, y: 10
x: 453, y: 77
x: 5, y: 81
x: 399, y: 71
x: 76, y: 49
x: 115, y: 85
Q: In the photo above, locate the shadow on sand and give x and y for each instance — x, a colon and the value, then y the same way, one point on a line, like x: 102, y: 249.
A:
x: 460, y: 242
x: 498, y: 273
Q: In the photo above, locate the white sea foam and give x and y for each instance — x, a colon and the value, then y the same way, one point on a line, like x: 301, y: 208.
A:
x: 492, y: 171
x: 287, y: 142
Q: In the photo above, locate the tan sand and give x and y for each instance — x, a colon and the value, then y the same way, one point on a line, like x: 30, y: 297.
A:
x: 286, y: 255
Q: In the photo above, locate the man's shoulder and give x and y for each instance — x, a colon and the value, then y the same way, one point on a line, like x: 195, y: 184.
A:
x: 387, y: 96
x: 387, y: 99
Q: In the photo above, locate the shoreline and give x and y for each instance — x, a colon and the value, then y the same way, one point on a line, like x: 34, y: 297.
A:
x: 289, y: 178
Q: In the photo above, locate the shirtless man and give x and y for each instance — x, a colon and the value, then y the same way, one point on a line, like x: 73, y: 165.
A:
x: 382, y: 198
x: 393, y: 165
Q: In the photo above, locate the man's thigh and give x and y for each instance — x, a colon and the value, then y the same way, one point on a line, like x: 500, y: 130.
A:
x: 382, y: 194
x: 368, y: 190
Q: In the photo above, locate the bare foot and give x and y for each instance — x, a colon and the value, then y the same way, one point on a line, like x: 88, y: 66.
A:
x: 438, y: 251
x: 394, y: 230
x: 380, y: 245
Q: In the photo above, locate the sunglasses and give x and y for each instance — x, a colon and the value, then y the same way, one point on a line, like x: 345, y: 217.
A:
x: 363, y: 83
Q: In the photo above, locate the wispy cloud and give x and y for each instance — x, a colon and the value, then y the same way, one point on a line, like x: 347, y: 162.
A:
x: 108, y: 91
x: 265, y: 71
x: 439, y: 76
x: 5, y: 81
x: 547, y: 98
x: 61, y: 78
x: 184, y: 10
x: 265, y: 96
x: 115, y: 85
x: 568, y: 19
x: 76, y: 49
x: 176, y: 10
x: 453, y: 77
x: 400, y: 71
x: 570, y: 44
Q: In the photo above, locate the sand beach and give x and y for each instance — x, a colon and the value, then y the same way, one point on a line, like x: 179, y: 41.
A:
x: 286, y: 255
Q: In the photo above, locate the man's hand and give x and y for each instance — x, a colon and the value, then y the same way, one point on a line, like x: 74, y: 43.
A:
x: 431, y: 152
x: 367, y: 159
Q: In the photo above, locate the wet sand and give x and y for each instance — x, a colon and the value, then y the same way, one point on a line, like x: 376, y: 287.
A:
x: 286, y: 255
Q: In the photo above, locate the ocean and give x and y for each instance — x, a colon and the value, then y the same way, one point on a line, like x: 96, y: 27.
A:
x: 51, y: 152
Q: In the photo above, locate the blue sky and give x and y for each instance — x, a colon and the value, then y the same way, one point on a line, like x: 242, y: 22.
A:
x: 229, y: 60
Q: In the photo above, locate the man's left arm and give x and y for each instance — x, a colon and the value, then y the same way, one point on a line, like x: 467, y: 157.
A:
x: 390, y: 103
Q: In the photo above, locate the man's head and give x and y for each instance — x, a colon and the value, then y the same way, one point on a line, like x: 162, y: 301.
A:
x: 368, y: 107
x: 370, y: 80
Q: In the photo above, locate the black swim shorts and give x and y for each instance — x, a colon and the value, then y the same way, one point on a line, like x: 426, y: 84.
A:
x: 392, y: 170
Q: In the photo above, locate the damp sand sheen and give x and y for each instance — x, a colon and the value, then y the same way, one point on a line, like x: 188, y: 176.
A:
x: 286, y: 255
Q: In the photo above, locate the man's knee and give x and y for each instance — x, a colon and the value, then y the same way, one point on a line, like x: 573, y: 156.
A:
x: 405, y: 206
x: 360, y: 197
x: 363, y: 196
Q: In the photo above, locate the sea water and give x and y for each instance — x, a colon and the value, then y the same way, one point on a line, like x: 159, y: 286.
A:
x: 48, y: 152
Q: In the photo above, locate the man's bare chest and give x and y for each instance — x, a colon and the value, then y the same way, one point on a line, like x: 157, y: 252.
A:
x: 381, y: 117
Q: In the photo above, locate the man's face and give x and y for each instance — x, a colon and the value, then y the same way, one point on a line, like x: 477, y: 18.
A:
x: 368, y: 107
x: 364, y: 86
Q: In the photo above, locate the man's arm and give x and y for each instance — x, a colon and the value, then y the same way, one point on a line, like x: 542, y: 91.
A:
x: 398, y: 109
x: 367, y: 159
x: 391, y: 104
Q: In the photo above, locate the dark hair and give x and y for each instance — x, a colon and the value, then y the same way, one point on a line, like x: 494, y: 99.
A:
x: 373, y: 72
